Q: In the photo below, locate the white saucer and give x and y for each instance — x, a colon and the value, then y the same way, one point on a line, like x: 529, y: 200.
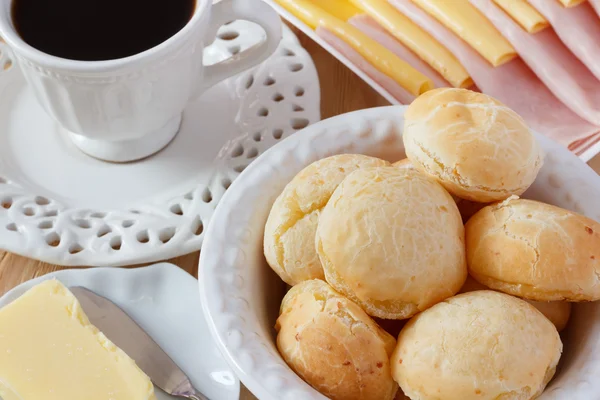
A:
x: 61, y: 206
x: 163, y: 299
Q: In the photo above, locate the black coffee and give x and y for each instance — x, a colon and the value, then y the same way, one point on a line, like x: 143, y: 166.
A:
x: 94, y: 30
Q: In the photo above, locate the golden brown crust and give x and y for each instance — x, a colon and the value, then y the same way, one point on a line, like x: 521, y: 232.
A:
x: 466, y: 204
x: 558, y: 312
x: 290, y: 229
x: 478, y: 345
x: 333, y: 345
x: 478, y: 148
x: 535, y: 250
x: 391, y: 239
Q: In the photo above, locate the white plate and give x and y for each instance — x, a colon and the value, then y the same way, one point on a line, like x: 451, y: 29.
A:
x: 163, y: 299
x: 63, y: 207
x: 586, y: 155
x: 241, y: 295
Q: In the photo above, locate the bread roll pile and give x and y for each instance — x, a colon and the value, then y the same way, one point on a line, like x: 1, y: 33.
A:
x: 292, y: 223
x: 438, y: 247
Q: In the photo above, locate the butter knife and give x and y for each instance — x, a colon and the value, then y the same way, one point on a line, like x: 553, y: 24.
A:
x: 126, y: 334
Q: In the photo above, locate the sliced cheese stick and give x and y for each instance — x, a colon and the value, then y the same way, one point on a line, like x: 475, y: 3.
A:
x: 370, y: 27
x: 384, y: 60
x: 417, y: 40
x: 387, y: 83
x: 571, y: 3
x: 341, y: 9
x: 525, y: 15
x: 466, y: 22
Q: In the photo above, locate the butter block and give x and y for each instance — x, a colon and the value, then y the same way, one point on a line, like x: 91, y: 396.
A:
x: 49, y: 350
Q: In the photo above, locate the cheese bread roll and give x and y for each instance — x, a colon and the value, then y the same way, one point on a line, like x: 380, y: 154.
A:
x: 289, y: 238
x: 558, y: 312
x: 333, y: 345
x: 477, y: 345
x: 467, y: 208
x: 392, y: 240
x: 535, y: 251
x: 475, y: 146
x: 404, y: 163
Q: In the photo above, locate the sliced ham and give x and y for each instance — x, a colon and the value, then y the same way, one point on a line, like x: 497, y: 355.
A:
x: 596, y: 5
x: 513, y: 83
x: 551, y: 61
x: 371, y: 28
x: 397, y: 91
x: 577, y: 27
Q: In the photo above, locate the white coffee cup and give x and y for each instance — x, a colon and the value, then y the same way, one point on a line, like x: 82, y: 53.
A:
x: 129, y: 108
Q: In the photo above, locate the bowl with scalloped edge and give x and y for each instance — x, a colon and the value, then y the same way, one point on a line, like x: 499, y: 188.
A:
x: 242, y: 295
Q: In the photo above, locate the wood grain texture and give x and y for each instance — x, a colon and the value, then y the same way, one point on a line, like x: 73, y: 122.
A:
x: 341, y: 91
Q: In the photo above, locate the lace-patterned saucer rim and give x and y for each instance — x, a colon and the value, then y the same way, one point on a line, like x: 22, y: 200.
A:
x: 276, y: 98
x: 241, y: 295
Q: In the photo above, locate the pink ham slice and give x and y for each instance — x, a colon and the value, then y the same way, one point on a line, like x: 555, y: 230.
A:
x: 596, y: 5
x: 512, y: 83
x: 551, y: 61
x: 577, y: 27
x: 397, y: 91
x: 371, y: 28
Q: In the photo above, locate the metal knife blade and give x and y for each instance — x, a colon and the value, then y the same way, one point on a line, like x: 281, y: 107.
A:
x: 126, y: 334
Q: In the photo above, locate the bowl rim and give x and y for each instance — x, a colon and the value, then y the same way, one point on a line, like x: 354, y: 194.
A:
x: 308, y: 145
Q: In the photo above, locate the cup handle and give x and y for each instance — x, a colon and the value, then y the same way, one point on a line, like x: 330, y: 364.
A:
x: 249, y: 10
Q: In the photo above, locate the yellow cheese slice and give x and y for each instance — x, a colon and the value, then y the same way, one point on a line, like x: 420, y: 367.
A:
x: 376, y: 54
x: 524, y: 14
x: 417, y: 40
x: 466, y: 21
x: 50, y: 351
x: 571, y: 3
x: 341, y: 9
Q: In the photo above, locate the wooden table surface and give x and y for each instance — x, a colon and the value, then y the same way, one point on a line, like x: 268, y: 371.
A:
x: 342, y: 91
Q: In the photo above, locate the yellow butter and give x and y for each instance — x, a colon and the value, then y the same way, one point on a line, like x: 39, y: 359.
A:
x: 466, y: 21
x: 571, y: 3
x: 417, y: 40
x: 341, y: 9
x: 524, y: 14
x: 376, y: 54
x: 50, y: 351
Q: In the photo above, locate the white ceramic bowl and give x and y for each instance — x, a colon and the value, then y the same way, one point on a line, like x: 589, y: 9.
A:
x: 241, y: 295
